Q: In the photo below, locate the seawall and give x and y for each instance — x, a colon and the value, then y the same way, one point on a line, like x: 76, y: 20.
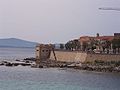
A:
x: 103, y: 57
x: 76, y: 56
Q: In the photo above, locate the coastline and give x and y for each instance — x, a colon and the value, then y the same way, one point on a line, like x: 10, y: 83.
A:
x: 113, y: 67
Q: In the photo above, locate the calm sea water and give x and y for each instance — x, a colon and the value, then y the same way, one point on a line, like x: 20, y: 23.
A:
x: 23, y: 78
x: 27, y: 78
x: 16, y: 53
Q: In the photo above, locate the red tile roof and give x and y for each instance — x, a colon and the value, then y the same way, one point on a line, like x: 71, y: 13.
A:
x: 108, y: 38
x: 89, y: 38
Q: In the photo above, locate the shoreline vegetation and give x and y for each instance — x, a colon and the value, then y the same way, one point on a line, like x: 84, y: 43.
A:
x: 97, y: 65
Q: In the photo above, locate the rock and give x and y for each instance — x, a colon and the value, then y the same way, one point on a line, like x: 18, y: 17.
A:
x: 4, y: 62
x: 16, y: 64
x: 17, y: 60
x: 39, y: 66
x: 63, y: 65
x: 8, y: 64
x: 33, y: 66
x: 71, y: 65
x: 79, y: 65
x: 1, y: 64
x: 117, y: 69
x: 30, y: 59
x: 25, y: 64
x: 27, y: 61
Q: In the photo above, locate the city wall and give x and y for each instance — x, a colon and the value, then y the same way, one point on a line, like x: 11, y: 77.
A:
x: 76, y: 56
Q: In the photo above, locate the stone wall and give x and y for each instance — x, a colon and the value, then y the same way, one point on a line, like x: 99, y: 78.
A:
x: 103, y: 57
x: 63, y: 56
x: 80, y: 57
x: 69, y: 56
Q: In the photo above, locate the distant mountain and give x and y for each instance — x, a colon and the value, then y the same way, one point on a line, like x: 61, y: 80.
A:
x: 14, y: 42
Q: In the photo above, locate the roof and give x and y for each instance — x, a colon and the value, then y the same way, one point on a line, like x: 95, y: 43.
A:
x: 85, y: 38
x: 108, y: 38
x: 89, y: 38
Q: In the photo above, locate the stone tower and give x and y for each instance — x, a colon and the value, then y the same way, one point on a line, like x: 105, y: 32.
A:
x: 43, y: 52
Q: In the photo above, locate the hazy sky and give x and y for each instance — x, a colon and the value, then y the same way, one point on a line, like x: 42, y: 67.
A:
x: 55, y: 21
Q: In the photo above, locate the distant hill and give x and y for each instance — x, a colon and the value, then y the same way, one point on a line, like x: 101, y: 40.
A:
x: 14, y: 42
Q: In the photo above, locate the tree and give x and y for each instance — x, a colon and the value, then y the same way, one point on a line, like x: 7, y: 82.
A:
x: 76, y: 44
x: 116, y: 45
x: 72, y: 45
x: 61, y: 46
x: 68, y: 46
x: 107, y: 46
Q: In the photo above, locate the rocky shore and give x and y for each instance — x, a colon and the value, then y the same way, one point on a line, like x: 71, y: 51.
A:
x: 24, y: 62
x: 99, y: 66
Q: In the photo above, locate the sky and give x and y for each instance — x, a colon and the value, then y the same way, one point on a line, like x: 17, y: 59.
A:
x: 57, y: 21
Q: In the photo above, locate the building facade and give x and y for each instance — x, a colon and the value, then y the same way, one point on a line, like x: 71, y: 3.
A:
x: 98, y: 43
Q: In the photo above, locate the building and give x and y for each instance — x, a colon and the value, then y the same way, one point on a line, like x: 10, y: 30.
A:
x: 100, y: 43
x: 43, y: 52
x: 85, y: 41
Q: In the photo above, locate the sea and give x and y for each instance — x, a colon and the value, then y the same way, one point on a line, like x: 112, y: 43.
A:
x: 8, y: 53
x: 27, y: 78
